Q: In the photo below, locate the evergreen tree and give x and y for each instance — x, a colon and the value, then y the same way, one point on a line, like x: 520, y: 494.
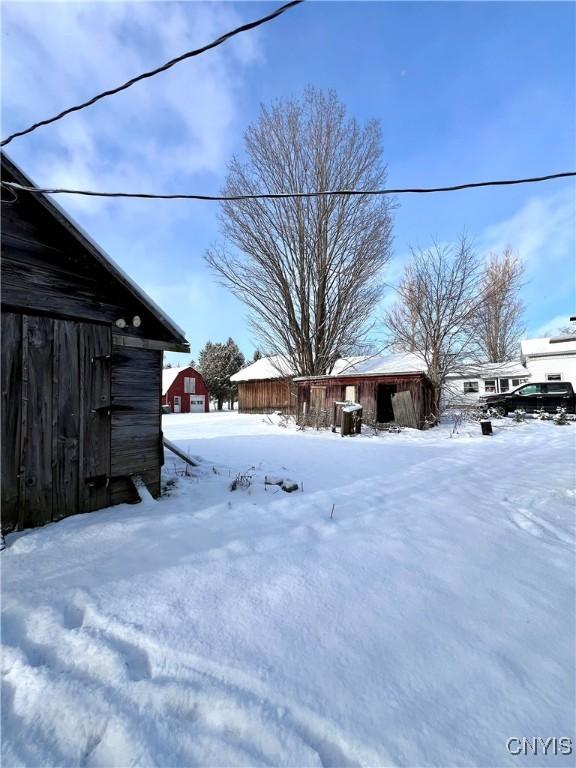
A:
x: 257, y: 355
x: 217, y: 362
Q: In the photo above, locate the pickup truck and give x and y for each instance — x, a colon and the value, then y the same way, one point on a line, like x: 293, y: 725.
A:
x: 533, y: 397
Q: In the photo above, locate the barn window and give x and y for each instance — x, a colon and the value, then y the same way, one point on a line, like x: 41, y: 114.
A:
x: 350, y: 394
x: 189, y: 385
x: 490, y: 385
x: 470, y: 386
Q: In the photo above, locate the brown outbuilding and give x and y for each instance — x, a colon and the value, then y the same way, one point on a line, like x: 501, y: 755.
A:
x: 391, y: 390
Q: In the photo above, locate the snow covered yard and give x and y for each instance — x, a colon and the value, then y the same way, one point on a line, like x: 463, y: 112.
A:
x: 429, y: 621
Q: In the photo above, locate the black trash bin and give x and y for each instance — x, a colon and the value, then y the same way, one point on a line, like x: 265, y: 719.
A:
x: 486, y: 427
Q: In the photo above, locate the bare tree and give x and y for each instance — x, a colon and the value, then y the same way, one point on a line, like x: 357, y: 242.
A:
x: 308, y: 269
x: 498, y: 320
x: 437, y: 303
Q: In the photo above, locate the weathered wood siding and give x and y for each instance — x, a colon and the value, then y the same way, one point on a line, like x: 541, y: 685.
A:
x: 136, y: 421
x: 45, y: 271
x: 366, y: 392
x: 267, y: 395
x: 55, y: 418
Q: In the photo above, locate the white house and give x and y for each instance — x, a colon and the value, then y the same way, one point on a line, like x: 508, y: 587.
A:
x: 469, y: 384
x: 550, y: 359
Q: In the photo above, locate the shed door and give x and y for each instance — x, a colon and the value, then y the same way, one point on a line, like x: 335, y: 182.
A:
x: 55, y: 418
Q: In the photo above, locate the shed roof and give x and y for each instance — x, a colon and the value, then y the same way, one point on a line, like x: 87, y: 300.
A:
x: 379, y: 365
x: 274, y: 367
x: 101, y: 256
x: 277, y: 367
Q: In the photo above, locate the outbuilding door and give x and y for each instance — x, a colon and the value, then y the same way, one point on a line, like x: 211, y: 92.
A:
x: 55, y: 418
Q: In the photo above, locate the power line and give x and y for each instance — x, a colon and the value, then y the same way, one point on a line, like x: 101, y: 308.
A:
x: 188, y: 55
x: 282, y: 195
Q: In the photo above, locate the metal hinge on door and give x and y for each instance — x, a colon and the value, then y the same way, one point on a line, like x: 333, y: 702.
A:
x: 100, y: 357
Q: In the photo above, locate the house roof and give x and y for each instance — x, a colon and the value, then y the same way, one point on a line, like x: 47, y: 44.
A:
x: 97, y: 253
x: 491, y: 370
x: 546, y: 347
x: 274, y: 367
x: 169, y: 376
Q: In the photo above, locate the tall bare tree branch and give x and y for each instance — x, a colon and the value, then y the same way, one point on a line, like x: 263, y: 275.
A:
x: 499, y: 319
x: 309, y: 270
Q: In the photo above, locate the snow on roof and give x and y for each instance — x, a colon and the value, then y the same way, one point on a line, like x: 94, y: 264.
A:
x: 169, y: 376
x: 546, y: 347
x: 406, y: 362
x: 274, y: 367
x: 488, y: 370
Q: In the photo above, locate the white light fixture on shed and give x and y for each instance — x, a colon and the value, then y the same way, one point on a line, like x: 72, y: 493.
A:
x: 136, y: 321
x: 121, y: 323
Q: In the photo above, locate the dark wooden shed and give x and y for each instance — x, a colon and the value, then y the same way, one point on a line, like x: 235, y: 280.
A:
x: 374, y: 392
x: 81, y: 368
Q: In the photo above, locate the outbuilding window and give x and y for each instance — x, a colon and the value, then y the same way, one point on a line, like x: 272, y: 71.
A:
x: 470, y: 387
x: 189, y: 385
x: 350, y: 394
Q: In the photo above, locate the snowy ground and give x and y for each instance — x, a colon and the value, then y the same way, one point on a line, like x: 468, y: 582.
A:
x: 430, y: 620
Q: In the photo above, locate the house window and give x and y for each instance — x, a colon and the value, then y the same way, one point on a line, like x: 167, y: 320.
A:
x: 504, y: 385
x: 490, y: 385
x: 470, y: 386
x: 350, y: 394
x: 553, y: 377
x: 189, y: 385
x: 517, y: 382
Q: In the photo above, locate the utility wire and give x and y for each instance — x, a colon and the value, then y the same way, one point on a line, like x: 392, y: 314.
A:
x: 188, y: 55
x: 281, y: 195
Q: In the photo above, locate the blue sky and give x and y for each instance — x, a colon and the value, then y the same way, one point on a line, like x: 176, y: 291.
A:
x: 464, y: 91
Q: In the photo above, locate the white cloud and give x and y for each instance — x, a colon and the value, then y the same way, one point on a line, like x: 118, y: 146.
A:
x: 541, y: 231
x: 550, y: 327
x: 154, y: 136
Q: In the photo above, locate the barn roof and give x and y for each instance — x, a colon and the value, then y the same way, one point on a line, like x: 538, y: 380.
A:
x: 97, y: 253
x: 277, y: 367
x: 169, y: 376
x: 373, y: 365
x: 274, y: 367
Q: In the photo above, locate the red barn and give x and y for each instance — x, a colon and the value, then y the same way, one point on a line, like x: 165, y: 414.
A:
x: 184, y: 390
